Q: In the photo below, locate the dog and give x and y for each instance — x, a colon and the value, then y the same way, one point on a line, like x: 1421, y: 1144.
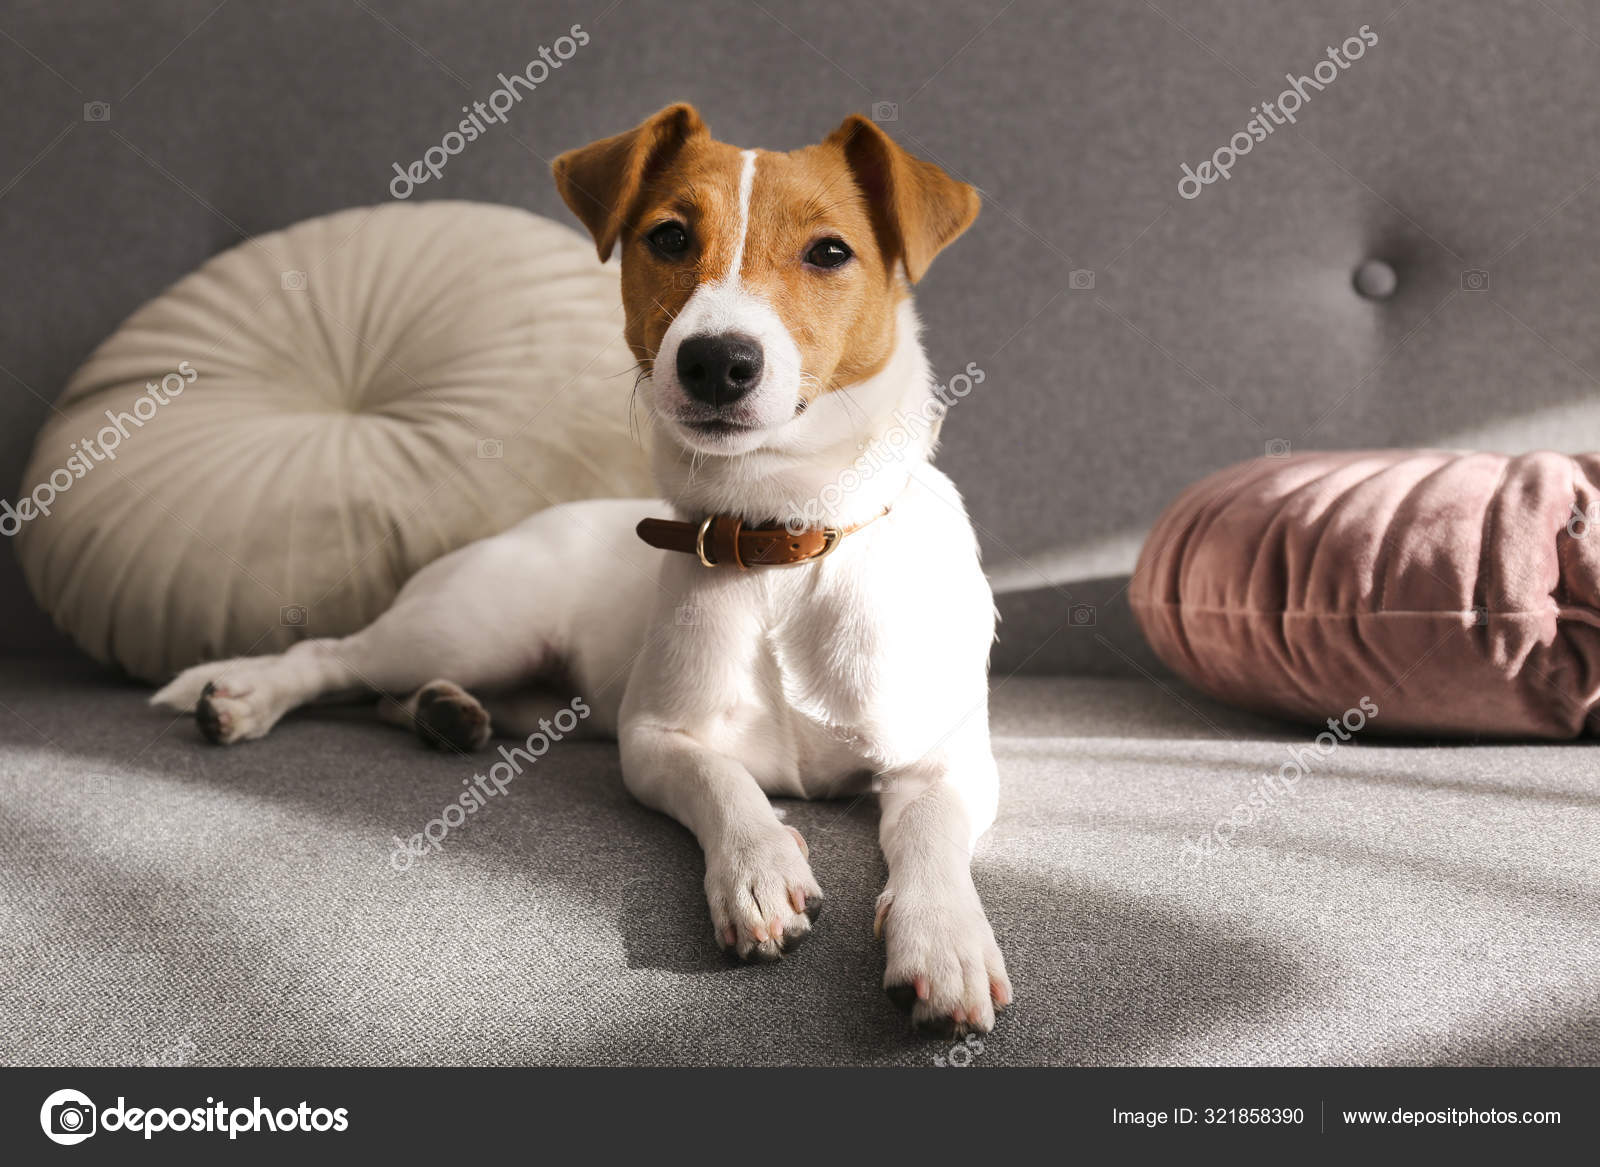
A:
x: 735, y: 647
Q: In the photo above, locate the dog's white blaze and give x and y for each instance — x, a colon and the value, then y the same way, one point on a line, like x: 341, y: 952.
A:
x: 747, y: 181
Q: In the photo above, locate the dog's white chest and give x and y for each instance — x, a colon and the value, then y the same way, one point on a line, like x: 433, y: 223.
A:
x: 816, y: 678
x: 803, y: 724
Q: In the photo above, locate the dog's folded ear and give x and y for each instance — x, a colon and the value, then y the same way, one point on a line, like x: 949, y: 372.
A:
x: 917, y: 209
x: 600, y: 181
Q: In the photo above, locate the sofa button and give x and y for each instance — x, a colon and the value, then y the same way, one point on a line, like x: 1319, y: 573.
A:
x: 1376, y: 280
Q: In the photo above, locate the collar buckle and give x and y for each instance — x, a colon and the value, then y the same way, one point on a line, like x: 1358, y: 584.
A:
x: 700, y: 541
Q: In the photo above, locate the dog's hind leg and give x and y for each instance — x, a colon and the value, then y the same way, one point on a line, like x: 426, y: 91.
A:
x: 488, y: 617
x: 241, y: 699
x: 420, y: 638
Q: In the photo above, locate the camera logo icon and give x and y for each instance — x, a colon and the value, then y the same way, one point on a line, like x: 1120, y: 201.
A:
x: 885, y: 111
x: 1582, y: 521
x: 67, y: 1117
x: 1082, y: 616
x: 292, y: 616
x: 293, y: 281
x: 491, y: 448
x: 1279, y: 448
x: 1080, y: 280
x: 97, y: 111
x: 1475, y: 280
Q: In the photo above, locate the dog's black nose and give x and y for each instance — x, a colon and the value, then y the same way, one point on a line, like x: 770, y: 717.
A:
x: 719, y: 369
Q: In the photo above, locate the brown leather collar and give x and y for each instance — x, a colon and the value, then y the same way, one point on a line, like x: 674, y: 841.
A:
x: 724, y: 541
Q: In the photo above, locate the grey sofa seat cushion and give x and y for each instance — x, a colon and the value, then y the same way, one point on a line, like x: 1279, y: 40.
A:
x: 166, y: 901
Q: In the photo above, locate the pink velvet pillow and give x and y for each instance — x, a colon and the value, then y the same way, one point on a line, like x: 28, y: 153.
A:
x: 1459, y: 592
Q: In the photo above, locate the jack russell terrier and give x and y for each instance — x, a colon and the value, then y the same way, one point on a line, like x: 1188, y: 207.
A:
x: 767, y: 300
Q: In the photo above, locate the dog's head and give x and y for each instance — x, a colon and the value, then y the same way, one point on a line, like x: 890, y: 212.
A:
x: 754, y: 282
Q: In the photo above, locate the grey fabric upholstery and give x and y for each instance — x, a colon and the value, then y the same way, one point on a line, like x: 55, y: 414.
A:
x: 1416, y: 904
x: 165, y: 899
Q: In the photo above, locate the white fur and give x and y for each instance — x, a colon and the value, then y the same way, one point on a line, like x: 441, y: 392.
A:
x: 864, y: 671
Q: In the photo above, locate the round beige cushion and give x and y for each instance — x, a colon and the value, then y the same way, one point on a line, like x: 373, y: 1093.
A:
x: 281, y: 439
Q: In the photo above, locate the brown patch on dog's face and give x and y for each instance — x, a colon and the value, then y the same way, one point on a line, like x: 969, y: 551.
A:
x: 699, y: 191
x: 820, y: 235
x: 803, y: 206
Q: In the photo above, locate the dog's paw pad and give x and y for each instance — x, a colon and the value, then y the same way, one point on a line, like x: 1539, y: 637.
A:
x: 450, y: 718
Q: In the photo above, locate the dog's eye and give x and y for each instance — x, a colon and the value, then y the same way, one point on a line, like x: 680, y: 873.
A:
x: 826, y: 253
x: 670, y: 240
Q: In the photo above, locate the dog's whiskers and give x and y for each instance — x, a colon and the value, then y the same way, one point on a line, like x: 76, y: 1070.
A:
x: 843, y: 394
x: 671, y: 315
x: 641, y: 375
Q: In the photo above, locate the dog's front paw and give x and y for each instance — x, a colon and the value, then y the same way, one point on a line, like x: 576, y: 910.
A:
x: 944, y: 965
x: 762, y: 895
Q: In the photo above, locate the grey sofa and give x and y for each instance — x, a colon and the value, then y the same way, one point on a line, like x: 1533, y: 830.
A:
x: 162, y: 901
